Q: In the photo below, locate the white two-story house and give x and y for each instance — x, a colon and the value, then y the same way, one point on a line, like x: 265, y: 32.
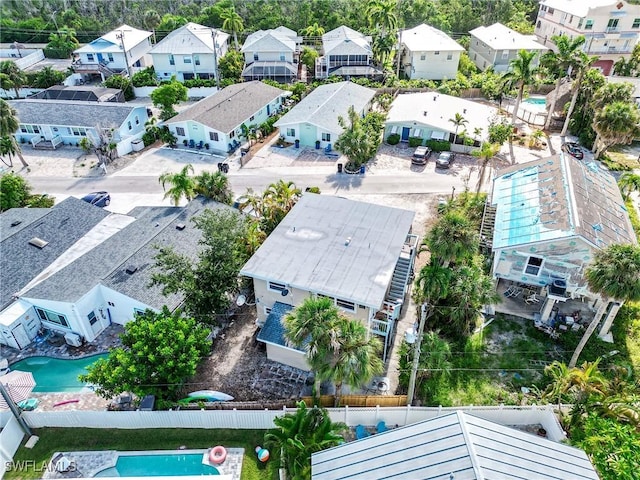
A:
x: 428, y: 53
x: 495, y: 46
x: 271, y: 54
x: 123, y: 51
x: 346, y: 53
x: 611, y: 27
x: 189, y: 53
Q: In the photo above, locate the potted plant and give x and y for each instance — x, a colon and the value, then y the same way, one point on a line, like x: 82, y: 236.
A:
x: 184, y: 142
x: 206, y: 146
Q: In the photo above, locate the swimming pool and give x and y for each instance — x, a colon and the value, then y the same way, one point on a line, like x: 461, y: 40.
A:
x: 55, y: 374
x: 536, y: 100
x: 159, y: 465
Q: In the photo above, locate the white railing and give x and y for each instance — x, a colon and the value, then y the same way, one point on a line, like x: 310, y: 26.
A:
x: 57, y: 140
x: 263, y: 419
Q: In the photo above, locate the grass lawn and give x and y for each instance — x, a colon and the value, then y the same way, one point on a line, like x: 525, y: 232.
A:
x: 78, y: 439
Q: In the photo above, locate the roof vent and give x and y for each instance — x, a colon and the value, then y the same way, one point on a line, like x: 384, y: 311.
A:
x: 347, y: 241
x: 38, y: 242
x: 180, y: 226
x: 15, y: 223
x: 131, y: 269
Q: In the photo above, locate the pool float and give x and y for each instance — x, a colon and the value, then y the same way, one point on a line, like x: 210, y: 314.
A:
x: 218, y: 455
x: 59, y: 404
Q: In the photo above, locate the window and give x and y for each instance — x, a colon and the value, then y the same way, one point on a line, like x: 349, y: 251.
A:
x: 436, y: 53
x: 129, y: 125
x: 571, y: 19
x: 213, y: 136
x: 588, y: 25
x: 180, y: 131
x: 538, y: 24
x: 345, y: 304
x: 449, y: 56
x: 251, y: 118
x: 256, y: 57
x: 110, y: 56
x: 55, y: 129
x: 137, y: 311
x: 92, y: 318
x: 423, y: 57
x: 232, y: 134
x: 291, y: 132
x: 551, y: 11
x: 52, y: 317
x: 580, y: 23
x: 90, y: 57
x: 282, y: 57
x: 267, y: 310
x: 636, y: 23
x: 534, y: 265
x: 137, y: 120
x: 612, y: 23
x: 505, y: 54
x: 277, y: 287
x: 326, y: 137
x: 196, y: 59
x: 172, y: 61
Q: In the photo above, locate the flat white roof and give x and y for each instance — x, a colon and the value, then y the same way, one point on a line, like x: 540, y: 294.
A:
x: 433, y: 110
x: 499, y: 37
x: 425, y: 38
x: 580, y: 7
x: 336, y: 247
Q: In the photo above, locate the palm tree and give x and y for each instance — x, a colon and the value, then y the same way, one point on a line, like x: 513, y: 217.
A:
x: 559, y: 63
x: 182, y: 185
x: 381, y: 15
x: 452, y: 239
x: 300, y: 434
x: 232, y: 22
x: 214, y: 186
x: 15, y: 77
x: 315, y: 31
x: 151, y: 19
x: 616, y: 124
x: 458, y: 121
x: 9, y: 124
x: 277, y: 200
x: 485, y: 154
x: 7, y: 147
x: 521, y: 73
x: 629, y: 182
x: 581, y: 63
x: 614, y: 273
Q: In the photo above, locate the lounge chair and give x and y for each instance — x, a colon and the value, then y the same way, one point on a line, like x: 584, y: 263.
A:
x: 381, y: 427
x: 361, y: 432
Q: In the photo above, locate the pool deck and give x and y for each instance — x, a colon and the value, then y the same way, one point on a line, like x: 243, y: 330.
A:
x: 87, y: 464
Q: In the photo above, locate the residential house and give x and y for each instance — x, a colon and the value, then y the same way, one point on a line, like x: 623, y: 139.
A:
x: 271, y: 54
x: 51, y: 123
x: 188, y: 53
x: 611, y: 27
x: 358, y: 254
x: 496, y: 46
x: 457, y: 445
x: 105, y: 277
x: 428, y: 53
x: 314, y: 121
x: 217, y: 120
x: 123, y: 51
x: 346, y: 53
x: 31, y: 240
x: 551, y: 216
x: 428, y: 116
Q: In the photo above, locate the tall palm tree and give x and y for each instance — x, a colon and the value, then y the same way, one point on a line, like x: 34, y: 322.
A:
x: 214, y: 186
x: 485, y: 154
x: 581, y: 63
x: 313, y: 30
x: 232, y: 22
x: 452, y: 238
x: 559, y: 63
x: 9, y: 124
x: 458, y: 121
x: 614, y: 273
x: 300, y: 434
x: 277, y: 200
x: 629, y: 182
x: 521, y: 73
x: 16, y: 77
x: 382, y: 15
x: 616, y: 124
x: 8, y: 148
x: 182, y: 185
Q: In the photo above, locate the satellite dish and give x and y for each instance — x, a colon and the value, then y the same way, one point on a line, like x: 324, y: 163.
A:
x: 284, y: 292
x: 241, y: 300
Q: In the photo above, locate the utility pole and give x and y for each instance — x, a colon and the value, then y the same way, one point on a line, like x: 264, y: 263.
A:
x: 416, y: 354
x: 120, y: 36
x: 399, y: 53
x: 14, y: 409
x: 214, y: 33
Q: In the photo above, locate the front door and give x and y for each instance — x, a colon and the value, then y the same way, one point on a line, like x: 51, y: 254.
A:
x: 268, y: 109
x: 20, y: 336
x: 405, y: 134
x: 100, y: 58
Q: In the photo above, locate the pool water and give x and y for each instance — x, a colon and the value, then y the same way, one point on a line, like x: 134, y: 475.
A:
x: 55, y: 374
x: 536, y: 101
x: 159, y: 466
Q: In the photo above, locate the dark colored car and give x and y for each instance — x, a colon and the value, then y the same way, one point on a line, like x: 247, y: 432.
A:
x: 99, y: 199
x: 445, y: 159
x: 573, y: 149
x: 420, y: 156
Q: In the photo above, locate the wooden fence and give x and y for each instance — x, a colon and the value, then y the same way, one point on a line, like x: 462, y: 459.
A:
x: 360, y: 400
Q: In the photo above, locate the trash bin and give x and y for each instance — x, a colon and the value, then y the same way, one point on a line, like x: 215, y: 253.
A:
x: 297, y: 143
x: 362, y: 169
x: 225, y: 168
x: 147, y: 403
x: 339, y: 168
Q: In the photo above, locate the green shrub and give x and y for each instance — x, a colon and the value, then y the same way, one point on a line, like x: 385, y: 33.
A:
x: 199, y: 82
x: 145, y: 78
x: 438, y: 145
x: 393, y: 139
x: 415, y: 141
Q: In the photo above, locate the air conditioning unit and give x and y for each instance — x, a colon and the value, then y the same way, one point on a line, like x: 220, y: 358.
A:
x: 73, y: 339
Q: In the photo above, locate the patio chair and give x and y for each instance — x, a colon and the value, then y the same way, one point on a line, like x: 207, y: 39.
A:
x: 533, y: 298
x: 381, y: 427
x: 200, y: 145
x: 192, y: 144
x: 361, y: 432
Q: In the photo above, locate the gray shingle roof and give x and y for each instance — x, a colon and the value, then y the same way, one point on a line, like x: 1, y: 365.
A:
x: 72, y: 114
x: 273, y: 328
x: 269, y: 41
x: 457, y: 445
x: 228, y: 108
x: 61, y: 226
x: 131, y: 246
x: 325, y: 104
x: 334, y: 246
x: 189, y: 39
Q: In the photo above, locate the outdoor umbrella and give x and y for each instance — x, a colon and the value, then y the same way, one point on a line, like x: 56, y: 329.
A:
x: 18, y: 385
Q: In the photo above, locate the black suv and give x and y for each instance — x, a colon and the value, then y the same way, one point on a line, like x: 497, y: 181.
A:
x: 445, y: 159
x: 420, y: 156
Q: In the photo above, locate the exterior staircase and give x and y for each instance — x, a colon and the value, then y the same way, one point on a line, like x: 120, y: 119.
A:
x: 400, y: 279
x: 486, y: 228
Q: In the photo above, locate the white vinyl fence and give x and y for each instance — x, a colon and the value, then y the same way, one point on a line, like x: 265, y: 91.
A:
x: 263, y: 419
x: 10, y: 438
